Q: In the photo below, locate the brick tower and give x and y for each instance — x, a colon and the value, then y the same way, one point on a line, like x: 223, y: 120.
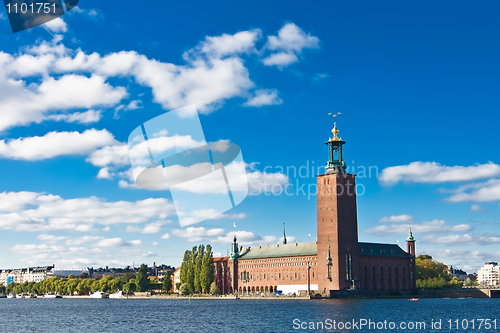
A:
x: 338, y: 258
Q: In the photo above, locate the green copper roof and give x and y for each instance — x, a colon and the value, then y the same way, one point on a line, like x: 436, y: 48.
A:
x: 381, y: 250
x: 410, y: 236
x: 274, y: 251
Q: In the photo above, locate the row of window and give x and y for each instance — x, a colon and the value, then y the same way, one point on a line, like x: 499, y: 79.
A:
x: 247, y: 277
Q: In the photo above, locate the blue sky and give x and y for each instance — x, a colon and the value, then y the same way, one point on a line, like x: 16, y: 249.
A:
x: 417, y: 86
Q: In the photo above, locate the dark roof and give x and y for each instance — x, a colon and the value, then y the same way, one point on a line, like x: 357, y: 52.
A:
x: 282, y: 250
x: 381, y: 250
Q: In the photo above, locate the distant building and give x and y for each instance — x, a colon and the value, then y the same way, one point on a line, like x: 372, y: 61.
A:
x: 488, y: 275
x: 337, y: 261
x: 28, y: 274
x: 176, y: 279
x: 458, y: 273
x: 64, y: 273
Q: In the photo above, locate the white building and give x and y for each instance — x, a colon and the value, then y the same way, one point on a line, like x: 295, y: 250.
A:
x: 29, y: 274
x: 488, y: 275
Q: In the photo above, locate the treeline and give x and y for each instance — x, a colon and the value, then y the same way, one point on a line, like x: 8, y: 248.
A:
x: 197, y: 271
x: 83, y: 286
x: 432, y: 274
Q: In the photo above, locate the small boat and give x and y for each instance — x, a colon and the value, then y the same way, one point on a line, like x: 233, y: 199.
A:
x: 98, y: 294
x: 20, y: 296
x: 11, y: 295
x: 52, y: 296
x: 413, y: 299
x: 3, y: 296
x: 118, y: 294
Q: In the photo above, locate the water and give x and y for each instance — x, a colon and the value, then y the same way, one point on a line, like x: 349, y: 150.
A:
x: 182, y: 315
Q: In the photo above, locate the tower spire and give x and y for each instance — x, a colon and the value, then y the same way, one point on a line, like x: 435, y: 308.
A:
x: 410, y: 243
x: 284, y: 234
x: 336, y: 161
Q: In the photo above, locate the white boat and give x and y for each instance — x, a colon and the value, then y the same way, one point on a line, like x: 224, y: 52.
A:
x: 52, y: 296
x: 11, y: 295
x: 118, y: 294
x: 98, y: 294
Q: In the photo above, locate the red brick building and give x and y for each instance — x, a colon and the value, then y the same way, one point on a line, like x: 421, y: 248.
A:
x: 336, y: 261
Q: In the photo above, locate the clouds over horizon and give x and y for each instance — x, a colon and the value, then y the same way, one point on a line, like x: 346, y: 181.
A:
x: 435, y: 226
x: 31, y: 211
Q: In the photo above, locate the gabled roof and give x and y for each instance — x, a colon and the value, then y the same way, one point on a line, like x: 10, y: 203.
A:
x: 220, y: 259
x: 381, y: 250
x: 281, y: 250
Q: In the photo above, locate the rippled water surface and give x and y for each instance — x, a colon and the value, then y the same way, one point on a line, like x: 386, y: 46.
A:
x: 182, y: 315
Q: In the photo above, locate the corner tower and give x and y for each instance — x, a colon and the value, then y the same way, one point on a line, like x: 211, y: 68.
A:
x: 337, y: 222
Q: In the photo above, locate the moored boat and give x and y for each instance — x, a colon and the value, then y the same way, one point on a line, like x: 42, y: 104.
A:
x: 52, y: 296
x: 98, y: 294
x: 11, y: 295
x: 118, y: 294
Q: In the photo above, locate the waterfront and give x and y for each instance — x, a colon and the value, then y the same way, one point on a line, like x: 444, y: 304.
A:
x: 229, y: 315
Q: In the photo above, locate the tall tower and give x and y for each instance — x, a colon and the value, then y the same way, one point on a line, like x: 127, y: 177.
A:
x: 410, y: 244
x: 337, y: 223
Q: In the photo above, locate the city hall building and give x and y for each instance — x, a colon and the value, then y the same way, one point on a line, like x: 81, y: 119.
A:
x: 335, y: 262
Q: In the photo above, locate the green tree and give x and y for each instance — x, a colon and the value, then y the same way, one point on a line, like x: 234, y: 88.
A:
x: 141, y: 279
x: 2, y: 289
x: 207, y: 270
x: 214, y: 289
x: 167, y: 282
x: 129, y: 287
x: 184, y: 289
x: 197, y: 268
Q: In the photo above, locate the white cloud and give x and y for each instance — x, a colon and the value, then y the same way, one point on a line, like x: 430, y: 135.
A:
x: 55, y: 144
x: 87, y: 117
x: 22, y: 104
x: 165, y: 236
x: 462, y: 240
x: 104, y: 173
x: 213, y: 72
x: 434, y: 226
x: 432, y: 172
x: 117, y: 155
x: 29, y: 211
x: 396, y: 219
x: 476, y: 208
x: 116, y: 242
x: 133, y: 105
x: 264, y: 97
x: 57, y: 25
x: 226, y: 45
x: 50, y: 238
x: 249, y: 238
x: 479, y: 192
x: 151, y: 228
x: 193, y: 234
x: 289, y: 43
x: 281, y: 59
x: 292, y: 38
x: 81, y: 240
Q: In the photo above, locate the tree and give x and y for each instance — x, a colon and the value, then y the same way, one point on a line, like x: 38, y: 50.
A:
x: 141, y: 279
x: 184, y: 289
x: 214, y: 289
x: 2, y: 289
x: 129, y: 287
x: 167, y: 282
x: 432, y: 274
x: 207, y: 270
x: 197, y: 268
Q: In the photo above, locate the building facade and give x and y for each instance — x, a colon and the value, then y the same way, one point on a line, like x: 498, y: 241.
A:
x: 336, y: 261
x: 28, y: 274
x: 489, y: 275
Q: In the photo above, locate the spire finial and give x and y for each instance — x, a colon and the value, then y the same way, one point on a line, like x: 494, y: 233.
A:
x: 284, y: 234
x: 410, y: 235
x: 335, y: 130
